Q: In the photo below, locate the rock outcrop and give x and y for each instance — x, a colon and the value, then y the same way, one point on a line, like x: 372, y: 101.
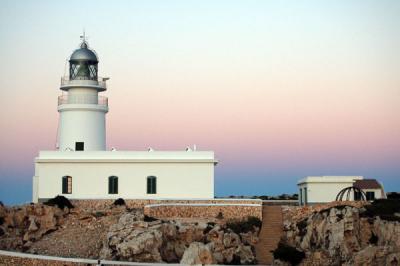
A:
x: 20, y: 226
x: 343, y: 235
x: 188, y: 242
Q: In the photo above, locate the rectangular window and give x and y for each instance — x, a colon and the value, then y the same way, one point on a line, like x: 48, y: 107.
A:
x: 113, y: 185
x: 370, y: 195
x: 305, y: 196
x: 151, y: 185
x: 66, y: 185
x: 357, y: 195
x: 301, y: 197
x: 79, y: 146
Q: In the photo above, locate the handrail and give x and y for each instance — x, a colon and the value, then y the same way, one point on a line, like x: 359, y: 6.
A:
x: 83, y: 99
x: 99, y: 81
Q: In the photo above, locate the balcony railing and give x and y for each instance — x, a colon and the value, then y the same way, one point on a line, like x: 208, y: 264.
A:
x: 83, y: 99
x: 100, y: 81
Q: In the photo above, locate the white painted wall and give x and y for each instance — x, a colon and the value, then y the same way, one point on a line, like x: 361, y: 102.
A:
x: 321, y: 189
x: 185, y: 175
x: 82, y: 120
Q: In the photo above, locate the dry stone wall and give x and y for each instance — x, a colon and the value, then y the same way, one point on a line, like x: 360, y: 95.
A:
x: 203, y: 211
x: 184, y: 208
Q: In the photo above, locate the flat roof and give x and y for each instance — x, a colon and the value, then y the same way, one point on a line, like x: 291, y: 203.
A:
x: 126, y: 156
x: 329, y: 179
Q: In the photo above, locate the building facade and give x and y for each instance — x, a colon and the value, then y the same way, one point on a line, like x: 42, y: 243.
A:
x: 324, y: 189
x: 82, y: 168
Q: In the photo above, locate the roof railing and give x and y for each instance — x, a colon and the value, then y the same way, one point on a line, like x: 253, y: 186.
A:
x: 83, y: 99
x: 99, y: 81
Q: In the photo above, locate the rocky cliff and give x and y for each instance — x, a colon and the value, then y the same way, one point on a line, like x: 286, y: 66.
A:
x: 344, y: 235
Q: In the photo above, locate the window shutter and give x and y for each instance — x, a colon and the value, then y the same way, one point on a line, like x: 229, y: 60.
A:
x: 115, y: 185
x: 64, y: 184
x: 154, y: 189
x: 110, y: 185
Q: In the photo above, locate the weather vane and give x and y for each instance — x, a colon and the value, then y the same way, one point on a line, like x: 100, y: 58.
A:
x: 83, y: 36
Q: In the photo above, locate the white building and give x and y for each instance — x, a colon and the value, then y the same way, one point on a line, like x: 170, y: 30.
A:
x: 323, y: 189
x: 82, y: 168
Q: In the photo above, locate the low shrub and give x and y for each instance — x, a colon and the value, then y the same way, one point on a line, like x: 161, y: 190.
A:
x: 289, y: 254
x: 245, y: 225
x: 99, y: 214
x: 220, y: 216
x: 149, y: 219
x: 1, y: 203
x: 302, y: 226
x: 393, y: 195
x: 119, y: 202
x: 373, y: 239
x: 59, y: 201
x: 386, y: 209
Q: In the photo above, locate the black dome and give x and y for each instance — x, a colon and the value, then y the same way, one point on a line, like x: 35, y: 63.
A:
x: 84, y: 54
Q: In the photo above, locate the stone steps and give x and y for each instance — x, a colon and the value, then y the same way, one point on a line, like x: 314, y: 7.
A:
x: 270, y: 234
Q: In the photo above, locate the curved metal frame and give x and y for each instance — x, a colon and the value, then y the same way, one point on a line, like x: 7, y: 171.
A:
x: 348, y: 191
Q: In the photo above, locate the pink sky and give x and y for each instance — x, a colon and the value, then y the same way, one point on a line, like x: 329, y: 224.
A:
x: 277, y: 90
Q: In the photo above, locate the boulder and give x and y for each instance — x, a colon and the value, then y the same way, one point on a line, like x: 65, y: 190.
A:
x: 245, y: 254
x: 198, y: 253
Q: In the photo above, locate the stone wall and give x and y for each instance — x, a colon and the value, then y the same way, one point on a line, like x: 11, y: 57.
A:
x: 225, y: 211
x: 184, y: 208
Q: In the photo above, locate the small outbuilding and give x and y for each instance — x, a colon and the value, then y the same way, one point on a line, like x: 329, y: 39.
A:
x: 324, y: 189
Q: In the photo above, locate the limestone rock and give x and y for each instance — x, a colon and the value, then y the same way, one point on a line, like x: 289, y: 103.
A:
x: 198, y: 253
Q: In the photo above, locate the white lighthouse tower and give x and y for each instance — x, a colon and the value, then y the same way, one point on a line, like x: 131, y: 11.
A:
x: 82, y: 110
x: 82, y: 168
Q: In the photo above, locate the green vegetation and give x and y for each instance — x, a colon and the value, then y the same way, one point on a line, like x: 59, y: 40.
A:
x: 386, y: 209
x: 119, y: 202
x: 149, y: 219
x: 244, y: 226
x: 289, y: 254
x: 60, y: 201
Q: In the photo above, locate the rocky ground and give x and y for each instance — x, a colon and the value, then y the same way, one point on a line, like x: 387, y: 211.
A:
x: 342, y: 234
x: 120, y: 233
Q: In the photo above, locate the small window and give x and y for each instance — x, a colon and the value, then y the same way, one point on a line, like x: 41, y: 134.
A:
x: 301, y: 197
x: 305, y: 196
x: 357, y: 195
x: 79, y: 146
x: 113, y: 185
x: 151, y: 185
x: 66, y: 185
x: 370, y: 195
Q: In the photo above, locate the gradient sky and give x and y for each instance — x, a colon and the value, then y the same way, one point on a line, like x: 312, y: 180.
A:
x: 278, y: 89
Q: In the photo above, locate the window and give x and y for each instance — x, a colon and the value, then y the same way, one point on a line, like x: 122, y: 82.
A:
x: 370, y: 195
x: 79, y: 146
x: 151, y: 185
x: 301, y: 197
x: 357, y: 195
x: 305, y: 196
x: 113, y: 185
x: 66, y: 185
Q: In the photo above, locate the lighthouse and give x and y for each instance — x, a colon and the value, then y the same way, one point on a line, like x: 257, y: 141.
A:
x: 82, y: 110
x: 83, y: 169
